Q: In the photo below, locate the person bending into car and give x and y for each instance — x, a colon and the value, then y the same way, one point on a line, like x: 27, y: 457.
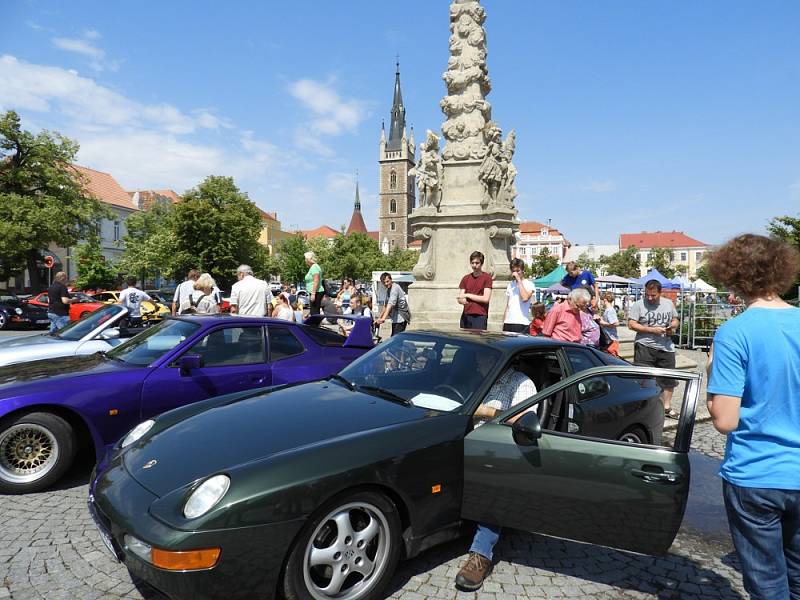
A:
x: 754, y: 397
x: 512, y: 387
x: 563, y: 322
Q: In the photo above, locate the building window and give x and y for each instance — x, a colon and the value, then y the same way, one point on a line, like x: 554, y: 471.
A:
x: 698, y: 256
x: 545, y: 231
x: 392, y: 205
x: 393, y: 180
x: 392, y: 226
x: 391, y: 243
x: 683, y: 256
x: 116, y: 231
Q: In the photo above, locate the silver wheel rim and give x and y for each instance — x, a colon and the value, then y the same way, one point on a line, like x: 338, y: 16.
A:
x: 2, y: 321
x: 631, y: 438
x: 347, y: 553
x: 28, y: 452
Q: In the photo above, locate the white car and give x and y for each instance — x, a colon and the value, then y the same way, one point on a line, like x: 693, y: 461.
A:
x: 97, y: 331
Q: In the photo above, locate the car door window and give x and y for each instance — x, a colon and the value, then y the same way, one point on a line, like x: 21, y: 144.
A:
x: 283, y: 343
x: 231, y: 346
x: 581, y: 359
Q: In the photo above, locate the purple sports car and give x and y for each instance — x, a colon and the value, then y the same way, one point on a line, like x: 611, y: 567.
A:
x: 49, y: 408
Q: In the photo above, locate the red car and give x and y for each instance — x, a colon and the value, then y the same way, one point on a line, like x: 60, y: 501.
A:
x: 85, y: 304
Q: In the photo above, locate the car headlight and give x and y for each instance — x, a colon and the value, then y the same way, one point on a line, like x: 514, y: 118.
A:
x: 137, y: 432
x: 206, y: 496
x: 18, y: 311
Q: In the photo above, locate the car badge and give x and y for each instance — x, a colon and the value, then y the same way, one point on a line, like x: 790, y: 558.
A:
x: 150, y: 464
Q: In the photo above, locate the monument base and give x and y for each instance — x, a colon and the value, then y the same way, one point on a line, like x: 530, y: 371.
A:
x: 434, y: 305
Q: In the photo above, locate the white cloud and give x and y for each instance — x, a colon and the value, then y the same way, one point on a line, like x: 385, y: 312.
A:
x: 332, y: 114
x: 85, y: 47
x: 599, y: 187
x: 341, y: 185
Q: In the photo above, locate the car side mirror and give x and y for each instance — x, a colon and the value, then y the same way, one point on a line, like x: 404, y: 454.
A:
x: 110, y: 334
x: 190, y: 362
x: 527, y: 429
x: 593, y: 388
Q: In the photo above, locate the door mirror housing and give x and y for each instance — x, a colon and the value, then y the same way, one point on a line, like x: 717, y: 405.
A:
x: 527, y: 429
x: 110, y: 334
x: 190, y: 362
x: 593, y: 388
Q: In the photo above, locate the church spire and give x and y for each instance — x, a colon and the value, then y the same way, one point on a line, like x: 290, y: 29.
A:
x: 358, y: 199
x: 357, y: 224
x: 398, y: 122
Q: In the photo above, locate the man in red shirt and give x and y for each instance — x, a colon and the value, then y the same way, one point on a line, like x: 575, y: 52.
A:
x: 474, y: 293
x: 563, y: 322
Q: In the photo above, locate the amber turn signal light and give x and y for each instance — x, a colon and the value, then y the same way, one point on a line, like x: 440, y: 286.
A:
x: 189, y: 560
x: 436, y: 489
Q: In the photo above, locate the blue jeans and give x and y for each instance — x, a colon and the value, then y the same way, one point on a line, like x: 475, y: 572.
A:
x: 57, y: 321
x: 765, y: 526
x: 485, y: 539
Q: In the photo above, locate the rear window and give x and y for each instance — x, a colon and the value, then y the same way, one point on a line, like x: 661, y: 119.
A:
x: 323, y: 336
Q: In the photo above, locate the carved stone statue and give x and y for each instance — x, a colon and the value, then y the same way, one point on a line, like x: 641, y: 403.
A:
x: 428, y: 171
x: 492, y: 170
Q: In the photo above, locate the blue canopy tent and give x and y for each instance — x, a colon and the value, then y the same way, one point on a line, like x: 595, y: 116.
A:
x: 666, y: 284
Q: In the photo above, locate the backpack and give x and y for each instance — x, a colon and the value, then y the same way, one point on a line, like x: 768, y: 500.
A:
x: 192, y: 308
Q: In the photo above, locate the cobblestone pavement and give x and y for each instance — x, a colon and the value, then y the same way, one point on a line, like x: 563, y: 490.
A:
x: 50, y: 550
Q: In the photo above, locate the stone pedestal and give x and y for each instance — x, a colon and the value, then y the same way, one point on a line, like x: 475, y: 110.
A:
x: 463, y: 223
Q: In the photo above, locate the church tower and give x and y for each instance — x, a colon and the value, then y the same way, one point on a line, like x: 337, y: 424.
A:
x: 397, y: 190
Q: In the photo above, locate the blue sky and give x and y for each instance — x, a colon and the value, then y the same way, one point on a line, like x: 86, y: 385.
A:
x: 630, y: 116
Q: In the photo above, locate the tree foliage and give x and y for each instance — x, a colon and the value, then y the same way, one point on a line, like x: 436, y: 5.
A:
x: 150, y: 243
x: 94, y: 271
x: 787, y: 229
x: 291, y: 264
x: 398, y: 260
x: 542, y: 264
x: 43, y: 197
x: 355, y: 255
x: 588, y: 264
x: 623, y: 264
x: 216, y: 229
x: 661, y: 259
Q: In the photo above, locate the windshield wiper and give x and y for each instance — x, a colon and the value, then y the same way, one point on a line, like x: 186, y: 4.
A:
x: 384, y: 393
x: 348, y: 384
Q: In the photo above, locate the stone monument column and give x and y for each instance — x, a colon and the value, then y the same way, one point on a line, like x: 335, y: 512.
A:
x: 466, y: 193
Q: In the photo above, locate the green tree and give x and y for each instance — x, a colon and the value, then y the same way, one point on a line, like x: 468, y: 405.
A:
x: 786, y: 229
x: 588, y: 264
x: 150, y: 243
x: 216, y: 229
x: 94, y: 271
x: 291, y: 264
x: 398, y: 260
x: 661, y: 259
x: 623, y: 264
x: 43, y: 197
x: 542, y: 264
x: 703, y: 273
x: 355, y: 255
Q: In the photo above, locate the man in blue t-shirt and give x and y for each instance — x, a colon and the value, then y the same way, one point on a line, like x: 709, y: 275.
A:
x: 754, y: 397
x: 577, y: 278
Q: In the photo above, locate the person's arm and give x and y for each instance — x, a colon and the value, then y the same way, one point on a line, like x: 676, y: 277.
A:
x: 462, y: 297
x: 482, y: 299
x: 175, y: 297
x: 314, y: 286
x: 234, y: 301
x: 524, y: 292
x: 726, y: 383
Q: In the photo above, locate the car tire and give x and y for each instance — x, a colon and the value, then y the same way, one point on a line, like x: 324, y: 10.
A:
x: 36, y: 449
x: 352, y: 565
x: 634, y: 435
x: 3, y: 320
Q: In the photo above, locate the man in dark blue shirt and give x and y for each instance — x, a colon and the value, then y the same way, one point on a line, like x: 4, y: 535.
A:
x: 577, y: 278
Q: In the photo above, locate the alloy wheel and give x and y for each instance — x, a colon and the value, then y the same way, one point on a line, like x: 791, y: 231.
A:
x: 347, y: 552
x: 28, y: 452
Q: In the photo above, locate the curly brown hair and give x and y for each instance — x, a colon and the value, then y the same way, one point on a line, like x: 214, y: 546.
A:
x: 754, y: 265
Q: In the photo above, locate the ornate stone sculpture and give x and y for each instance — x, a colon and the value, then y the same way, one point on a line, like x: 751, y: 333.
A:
x: 428, y: 171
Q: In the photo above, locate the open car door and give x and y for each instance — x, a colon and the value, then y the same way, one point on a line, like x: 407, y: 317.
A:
x: 587, y: 459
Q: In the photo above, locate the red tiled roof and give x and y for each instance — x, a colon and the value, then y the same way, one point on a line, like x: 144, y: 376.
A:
x: 268, y: 215
x: 104, y: 187
x: 356, y: 223
x: 375, y: 235
x: 536, y: 227
x: 144, y: 199
x: 321, y: 231
x: 415, y: 244
x: 170, y: 194
x: 658, y: 239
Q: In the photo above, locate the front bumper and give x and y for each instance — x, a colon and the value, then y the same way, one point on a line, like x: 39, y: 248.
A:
x: 249, y: 565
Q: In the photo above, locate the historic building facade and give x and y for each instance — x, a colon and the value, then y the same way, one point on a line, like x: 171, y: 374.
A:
x: 397, y: 193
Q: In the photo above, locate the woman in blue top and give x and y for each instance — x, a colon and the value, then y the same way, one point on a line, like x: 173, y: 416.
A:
x: 754, y: 397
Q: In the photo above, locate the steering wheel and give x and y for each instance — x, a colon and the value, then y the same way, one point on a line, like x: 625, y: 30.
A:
x: 450, y: 388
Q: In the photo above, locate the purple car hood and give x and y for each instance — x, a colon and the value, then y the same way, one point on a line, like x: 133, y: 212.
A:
x: 258, y: 427
x: 53, y: 372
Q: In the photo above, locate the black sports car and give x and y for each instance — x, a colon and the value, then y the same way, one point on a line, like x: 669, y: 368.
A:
x: 317, y: 490
x: 15, y: 311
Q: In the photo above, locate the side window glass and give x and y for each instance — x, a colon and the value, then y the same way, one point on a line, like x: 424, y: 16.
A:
x: 581, y: 359
x: 283, y: 343
x: 231, y: 346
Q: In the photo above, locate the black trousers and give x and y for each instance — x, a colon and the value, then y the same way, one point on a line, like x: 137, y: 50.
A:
x: 473, y: 321
x: 398, y: 327
x: 314, y: 305
x: 516, y: 327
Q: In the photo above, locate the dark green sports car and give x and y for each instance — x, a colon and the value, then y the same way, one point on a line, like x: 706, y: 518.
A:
x: 315, y: 491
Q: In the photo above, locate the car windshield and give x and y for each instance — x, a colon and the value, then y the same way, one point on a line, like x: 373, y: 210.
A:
x: 431, y: 371
x: 77, y: 330
x: 155, y: 342
x: 6, y: 296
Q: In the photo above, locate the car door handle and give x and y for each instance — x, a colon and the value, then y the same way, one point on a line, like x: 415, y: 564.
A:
x: 657, y: 476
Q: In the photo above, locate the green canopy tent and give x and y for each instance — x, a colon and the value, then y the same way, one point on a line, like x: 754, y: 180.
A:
x: 553, y: 277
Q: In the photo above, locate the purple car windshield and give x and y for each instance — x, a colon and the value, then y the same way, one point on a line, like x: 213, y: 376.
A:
x: 152, y: 344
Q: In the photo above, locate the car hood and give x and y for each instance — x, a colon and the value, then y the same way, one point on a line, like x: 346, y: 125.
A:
x: 29, y: 340
x: 53, y: 371
x: 257, y: 427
